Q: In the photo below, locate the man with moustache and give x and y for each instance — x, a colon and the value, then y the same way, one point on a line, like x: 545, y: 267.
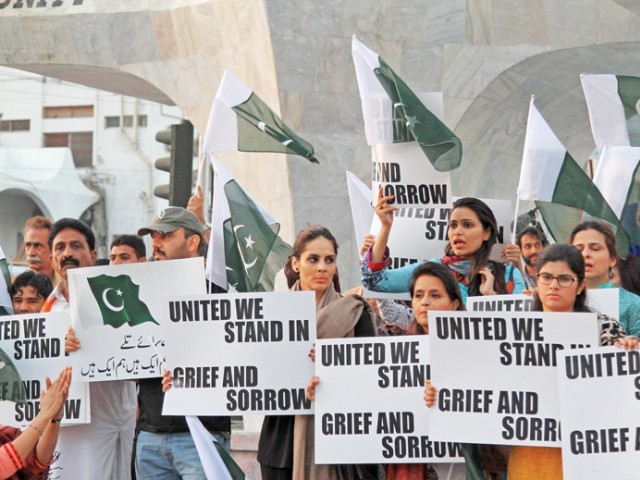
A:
x: 36, y: 246
x: 529, y: 245
x: 165, y: 448
x: 99, y: 449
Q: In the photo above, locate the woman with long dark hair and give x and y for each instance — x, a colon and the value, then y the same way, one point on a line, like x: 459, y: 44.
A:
x: 286, y: 443
x: 472, y: 233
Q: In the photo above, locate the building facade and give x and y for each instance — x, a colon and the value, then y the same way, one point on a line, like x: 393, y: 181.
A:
x: 71, y: 150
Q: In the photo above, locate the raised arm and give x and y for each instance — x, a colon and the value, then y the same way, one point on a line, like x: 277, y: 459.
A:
x: 385, y: 213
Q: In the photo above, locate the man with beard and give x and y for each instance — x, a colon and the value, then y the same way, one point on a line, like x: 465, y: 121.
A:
x: 97, y: 450
x: 529, y: 244
x: 164, y: 447
x: 36, y: 246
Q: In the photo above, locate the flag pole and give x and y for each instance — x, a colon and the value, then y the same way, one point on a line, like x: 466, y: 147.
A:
x: 515, y: 221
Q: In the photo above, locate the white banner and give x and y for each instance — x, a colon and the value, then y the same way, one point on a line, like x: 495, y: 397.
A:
x: 496, y: 374
x: 500, y: 303
x: 602, y: 300
x: 119, y: 311
x: 250, y: 356
x: 599, y: 392
x: 370, y: 395
x: 35, y: 344
x: 403, y: 170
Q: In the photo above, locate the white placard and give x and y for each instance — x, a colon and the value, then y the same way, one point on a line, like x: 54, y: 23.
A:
x: 118, y: 313
x: 500, y: 303
x: 35, y: 344
x: 404, y: 171
x: 496, y: 374
x: 599, y: 392
x: 371, y: 395
x: 605, y: 300
x: 381, y: 125
x: 253, y: 357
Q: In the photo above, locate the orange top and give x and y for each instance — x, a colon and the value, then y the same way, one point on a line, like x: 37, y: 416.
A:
x: 534, y: 463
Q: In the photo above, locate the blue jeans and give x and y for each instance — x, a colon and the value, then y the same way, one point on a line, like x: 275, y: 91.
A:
x: 169, y: 456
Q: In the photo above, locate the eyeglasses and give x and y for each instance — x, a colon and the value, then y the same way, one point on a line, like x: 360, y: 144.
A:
x: 563, y: 280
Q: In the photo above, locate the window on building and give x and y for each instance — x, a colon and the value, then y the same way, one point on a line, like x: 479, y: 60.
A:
x: 111, y: 122
x: 127, y: 121
x: 80, y: 143
x: 71, y: 111
x: 15, y: 125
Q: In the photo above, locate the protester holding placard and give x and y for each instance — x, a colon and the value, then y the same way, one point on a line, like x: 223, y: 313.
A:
x: 597, y: 243
x: 561, y: 288
x: 286, y: 444
x: 432, y: 288
x: 28, y: 454
x: 472, y: 232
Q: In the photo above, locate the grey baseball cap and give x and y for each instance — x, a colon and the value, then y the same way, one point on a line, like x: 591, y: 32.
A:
x: 172, y: 218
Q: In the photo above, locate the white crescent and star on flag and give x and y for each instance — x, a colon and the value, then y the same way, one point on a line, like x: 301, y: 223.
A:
x: 248, y: 246
x: 110, y: 305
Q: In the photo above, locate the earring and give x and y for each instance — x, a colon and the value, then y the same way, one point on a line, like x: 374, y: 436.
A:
x: 610, y: 273
x: 296, y: 270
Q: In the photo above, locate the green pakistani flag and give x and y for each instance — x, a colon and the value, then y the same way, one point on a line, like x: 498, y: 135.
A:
x: 245, y: 252
x: 9, y: 376
x: 613, y: 102
x: 409, y: 119
x: 241, y: 122
x: 119, y: 301
x: 561, y: 190
x: 6, y: 307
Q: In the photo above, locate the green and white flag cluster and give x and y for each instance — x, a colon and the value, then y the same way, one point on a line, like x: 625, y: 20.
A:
x: 618, y: 178
x: 613, y: 102
x: 241, y: 122
x: 6, y: 307
x: 393, y: 113
x: 552, y: 178
x: 245, y: 251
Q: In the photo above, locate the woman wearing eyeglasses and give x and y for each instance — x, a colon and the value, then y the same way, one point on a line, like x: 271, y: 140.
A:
x: 561, y: 288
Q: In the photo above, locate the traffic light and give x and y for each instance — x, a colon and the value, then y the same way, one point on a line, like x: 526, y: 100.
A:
x: 179, y: 163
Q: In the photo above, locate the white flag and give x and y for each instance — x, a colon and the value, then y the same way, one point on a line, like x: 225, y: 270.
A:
x: 361, y: 210
x: 613, y: 102
x: 214, y: 466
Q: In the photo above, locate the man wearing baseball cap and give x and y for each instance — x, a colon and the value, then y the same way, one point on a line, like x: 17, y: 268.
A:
x: 175, y: 233
x: 164, y: 446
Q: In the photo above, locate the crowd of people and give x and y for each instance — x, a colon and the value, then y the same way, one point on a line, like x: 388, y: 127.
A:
x: 129, y: 437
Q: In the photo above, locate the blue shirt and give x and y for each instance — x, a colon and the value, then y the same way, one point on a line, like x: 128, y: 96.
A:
x: 629, y: 304
x: 397, y: 280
